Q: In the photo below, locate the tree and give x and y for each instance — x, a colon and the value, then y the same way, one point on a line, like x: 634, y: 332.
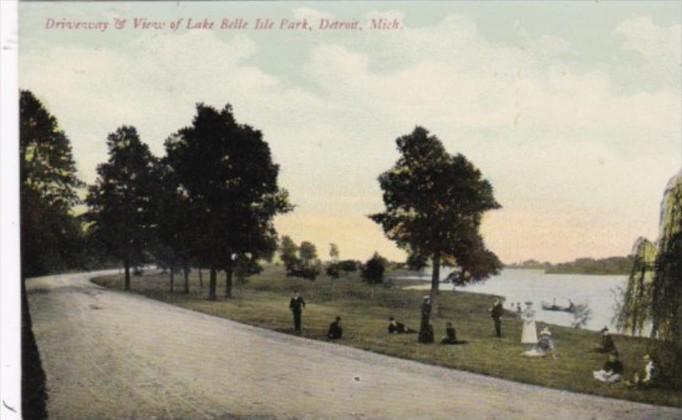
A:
x: 174, y: 225
x: 122, y: 202
x: 434, y: 203
x: 227, y: 170
x: 666, y: 299
x: 51, y: 237
x: 300, y: 261
x: 635, y: 306
x: 334, y: 252
x: 307, y: 252
x: 654, y: 291
x: 373, y: 271
x: 288, y: 252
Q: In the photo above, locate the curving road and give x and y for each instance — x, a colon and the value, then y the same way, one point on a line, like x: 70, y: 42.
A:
x: 109, y: 354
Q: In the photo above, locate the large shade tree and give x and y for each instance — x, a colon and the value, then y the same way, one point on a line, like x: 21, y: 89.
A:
x: 50, y: 234
x: 123, y: 202
x: 230, y: 179
x: 434, y: 204
x: 175, y: 226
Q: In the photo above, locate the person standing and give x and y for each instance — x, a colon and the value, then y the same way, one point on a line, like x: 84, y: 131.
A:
x: 425, y: 329
x: 496, y: 312
x: 529, y: 334
x: 296, y: 305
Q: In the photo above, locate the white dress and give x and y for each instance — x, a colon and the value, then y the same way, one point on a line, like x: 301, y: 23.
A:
x: 529, y: 333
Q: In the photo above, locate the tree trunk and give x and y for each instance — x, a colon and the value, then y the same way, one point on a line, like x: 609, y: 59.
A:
x: 228, y: 281
x: 435, y: 282
x: 212, y: 283
x: 185, y: 272
x: 201, y: 279
x: 126, y: 268
x: 172, y: 279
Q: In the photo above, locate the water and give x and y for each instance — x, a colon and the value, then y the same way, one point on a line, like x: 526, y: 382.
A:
x: 517, y: 285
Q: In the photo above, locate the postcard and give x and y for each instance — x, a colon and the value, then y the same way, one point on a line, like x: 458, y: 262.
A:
x: 342, y: 210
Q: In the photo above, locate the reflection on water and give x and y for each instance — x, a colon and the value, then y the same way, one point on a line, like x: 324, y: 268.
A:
x: 517, y: 285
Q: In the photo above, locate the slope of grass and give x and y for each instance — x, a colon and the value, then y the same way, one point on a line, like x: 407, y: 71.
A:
x: 264, y: 300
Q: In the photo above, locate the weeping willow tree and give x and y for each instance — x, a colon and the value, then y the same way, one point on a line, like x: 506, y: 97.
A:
x: 667, y: 287
x: 654, y: 291
x: 635, y: 307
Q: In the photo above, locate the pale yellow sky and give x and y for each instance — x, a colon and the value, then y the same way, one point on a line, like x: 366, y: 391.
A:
x: 571, y: 110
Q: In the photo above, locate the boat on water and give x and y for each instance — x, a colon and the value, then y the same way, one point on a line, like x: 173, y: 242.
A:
x: 554, y: 307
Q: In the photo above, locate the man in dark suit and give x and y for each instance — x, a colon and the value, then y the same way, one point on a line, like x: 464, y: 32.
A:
x: 496, y: 313
x: 296, y: 305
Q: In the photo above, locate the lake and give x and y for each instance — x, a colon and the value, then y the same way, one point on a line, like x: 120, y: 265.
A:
x: 519, y: 285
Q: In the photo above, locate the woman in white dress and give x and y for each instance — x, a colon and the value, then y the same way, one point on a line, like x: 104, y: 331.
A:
x: 529, y: 334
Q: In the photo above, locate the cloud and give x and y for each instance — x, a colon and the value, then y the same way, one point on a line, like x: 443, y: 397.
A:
x: 658, y: 46
x: 560, y: 144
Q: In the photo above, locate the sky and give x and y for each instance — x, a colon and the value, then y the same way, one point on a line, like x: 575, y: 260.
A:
x: 572, y: 110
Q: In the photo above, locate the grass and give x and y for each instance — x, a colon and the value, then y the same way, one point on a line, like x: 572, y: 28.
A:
x: 264, y: 301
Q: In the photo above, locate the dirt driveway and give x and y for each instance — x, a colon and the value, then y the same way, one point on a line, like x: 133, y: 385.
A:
x: 109, y: 354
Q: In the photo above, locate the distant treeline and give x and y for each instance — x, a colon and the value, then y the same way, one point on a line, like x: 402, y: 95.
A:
x: 610, y: 265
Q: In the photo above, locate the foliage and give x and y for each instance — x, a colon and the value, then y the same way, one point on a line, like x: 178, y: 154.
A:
x: 610, y: 265
x: 288, y: 251
x: 635, y: 302
x: 227, y: 172
x: 373, y: 269
x: 300, y: 261
x: 332, y: 270
x: 51, y: 237
x: 654, y: 291
x: 349, y: 266
x: 434, y: 204
x: 122, y: 204
x: 307, y: 252
x: 333, y: 252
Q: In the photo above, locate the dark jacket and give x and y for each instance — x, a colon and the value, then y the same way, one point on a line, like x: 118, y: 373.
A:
x: 296, y: 304
x: 335, y: 331
x: 497, y: 310
x: 398, y: 328
x: 426, y: 311
x: 616, y: 367
x: 607, y: 344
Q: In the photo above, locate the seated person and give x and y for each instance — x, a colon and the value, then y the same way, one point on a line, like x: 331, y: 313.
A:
x: 450, y: 335
x: 395, y: 327
x: 607, y: 345
x: 612, y: 371
x: 647, y: 376
x: 335, y: 330
x: 426, y: 334
x: 545, y: 345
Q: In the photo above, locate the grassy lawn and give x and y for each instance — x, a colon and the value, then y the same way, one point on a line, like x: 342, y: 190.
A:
x: 264, y: 301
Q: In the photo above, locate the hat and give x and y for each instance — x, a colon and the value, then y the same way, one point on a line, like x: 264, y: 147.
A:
x: 427, y: 297
x: 529, y: 303
x: 545, y: 331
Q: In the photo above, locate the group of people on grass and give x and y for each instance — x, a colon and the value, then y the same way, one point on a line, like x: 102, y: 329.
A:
x: 611, y: 372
